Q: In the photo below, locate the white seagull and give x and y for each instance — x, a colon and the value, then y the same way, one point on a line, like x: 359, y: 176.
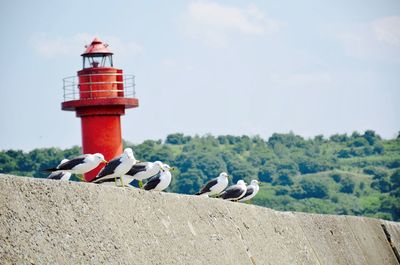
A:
x: 251, y: 191
x: 116, y: 168
x: 215, y: 186
x: 160, y: 181
x: 142, y: 170
x: 79, y: 165
x: 234, y: 192
x: 61, y: 175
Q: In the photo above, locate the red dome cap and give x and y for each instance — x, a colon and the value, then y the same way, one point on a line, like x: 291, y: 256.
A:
x: 97, y: 47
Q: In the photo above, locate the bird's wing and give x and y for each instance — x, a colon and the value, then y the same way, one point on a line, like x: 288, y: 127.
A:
x: 153, y: 182
x: 208, y: 186
x: 109, y: 168
x: 72, y: 163
x: 103, y: 180
x: 232, y: 192
x: 249, y: 191
x: 136, y: 168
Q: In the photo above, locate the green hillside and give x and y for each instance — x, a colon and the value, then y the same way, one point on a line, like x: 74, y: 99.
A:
x: 356, y: 174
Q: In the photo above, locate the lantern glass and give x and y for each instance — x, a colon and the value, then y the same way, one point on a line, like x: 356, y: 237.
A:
x: 97, y: 60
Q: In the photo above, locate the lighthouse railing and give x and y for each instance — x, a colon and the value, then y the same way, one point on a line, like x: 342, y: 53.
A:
x: 122, y: 85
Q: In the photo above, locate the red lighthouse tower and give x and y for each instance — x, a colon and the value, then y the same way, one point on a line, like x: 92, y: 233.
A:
x: 99, y: 95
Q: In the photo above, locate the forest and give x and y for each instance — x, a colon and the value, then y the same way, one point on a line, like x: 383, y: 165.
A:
x: 357, y: 174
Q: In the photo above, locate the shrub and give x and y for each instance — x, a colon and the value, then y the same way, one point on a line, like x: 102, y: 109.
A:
x: 347, y: 185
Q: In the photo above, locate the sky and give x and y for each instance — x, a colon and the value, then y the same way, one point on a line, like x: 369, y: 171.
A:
x: 219, y: 67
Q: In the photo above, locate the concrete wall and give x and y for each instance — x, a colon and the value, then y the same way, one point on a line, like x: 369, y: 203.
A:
x: 54, y: 222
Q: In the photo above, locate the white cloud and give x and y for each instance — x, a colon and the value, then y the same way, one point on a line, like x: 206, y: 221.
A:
x: 49, y: 46
x: 387, y: 30
x: 214, y: 23
x: 379, y: 39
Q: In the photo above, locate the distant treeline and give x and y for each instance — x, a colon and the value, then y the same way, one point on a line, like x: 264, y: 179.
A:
x: 357, y: 174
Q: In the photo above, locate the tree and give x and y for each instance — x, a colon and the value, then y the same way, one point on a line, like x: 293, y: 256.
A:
x: 336, y: 177
x: 266, y: 172
x: 287, y: 167
x: 284, y: 178
x: 210, y: 165
x: 307, y: 165
x: 163, y: 154
x: 339, y: 138
x: 395, y: 179
x: 347, y: 185
x: 391, y: 205
x: 185, y: 162
x: 344, y: 153
x: 241, y: 170
x: 310, y: 188
x: 228, y: 139
x: 376, y: 172
x: 145, y: 150
x: 378, y: 148
x: 289, y: 140
x: 382, y: 185
x: 358, y: 142
x: 314, y: 188
x: 7, y: 163
x: 177, y: 138
x: 371, y: 137
x: 189, y: 182
x: 319, y: 138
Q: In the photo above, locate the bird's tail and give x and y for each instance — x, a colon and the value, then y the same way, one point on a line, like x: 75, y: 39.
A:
x: 49, y: 170
x: 96, y: 180
x: 221, y: 195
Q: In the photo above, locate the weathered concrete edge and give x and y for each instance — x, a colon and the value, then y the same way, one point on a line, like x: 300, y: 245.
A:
x: 296, y: 238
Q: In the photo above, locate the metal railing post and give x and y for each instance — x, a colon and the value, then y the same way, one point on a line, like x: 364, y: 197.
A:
x: 71, y: 86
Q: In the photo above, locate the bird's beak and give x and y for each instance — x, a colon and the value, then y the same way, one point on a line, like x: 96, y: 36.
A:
x: 172, y: 168
x: 104, y: 161
x: 138, y: 161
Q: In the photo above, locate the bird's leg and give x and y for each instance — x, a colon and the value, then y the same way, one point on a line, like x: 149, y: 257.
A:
x: 122, y: 182
x: 140, y: 183
x: 115, y: 179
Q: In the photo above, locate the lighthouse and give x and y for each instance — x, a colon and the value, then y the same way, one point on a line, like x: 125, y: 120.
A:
x: 99, y: 95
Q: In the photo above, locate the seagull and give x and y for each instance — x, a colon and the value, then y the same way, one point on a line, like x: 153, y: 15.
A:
x: 116, y: 168
x: 251, y: 191
x: 142, y: 170
x: 160, y: 181
x: 215, y: 186
x: 79, y: 165
x: 234, y: 192
x: 61, y: 175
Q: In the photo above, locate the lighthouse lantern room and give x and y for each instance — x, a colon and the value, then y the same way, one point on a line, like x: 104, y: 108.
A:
x: 97, y: 55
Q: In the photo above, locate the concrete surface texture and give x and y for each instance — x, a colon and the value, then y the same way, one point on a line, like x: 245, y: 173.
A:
x: 55, y: 222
